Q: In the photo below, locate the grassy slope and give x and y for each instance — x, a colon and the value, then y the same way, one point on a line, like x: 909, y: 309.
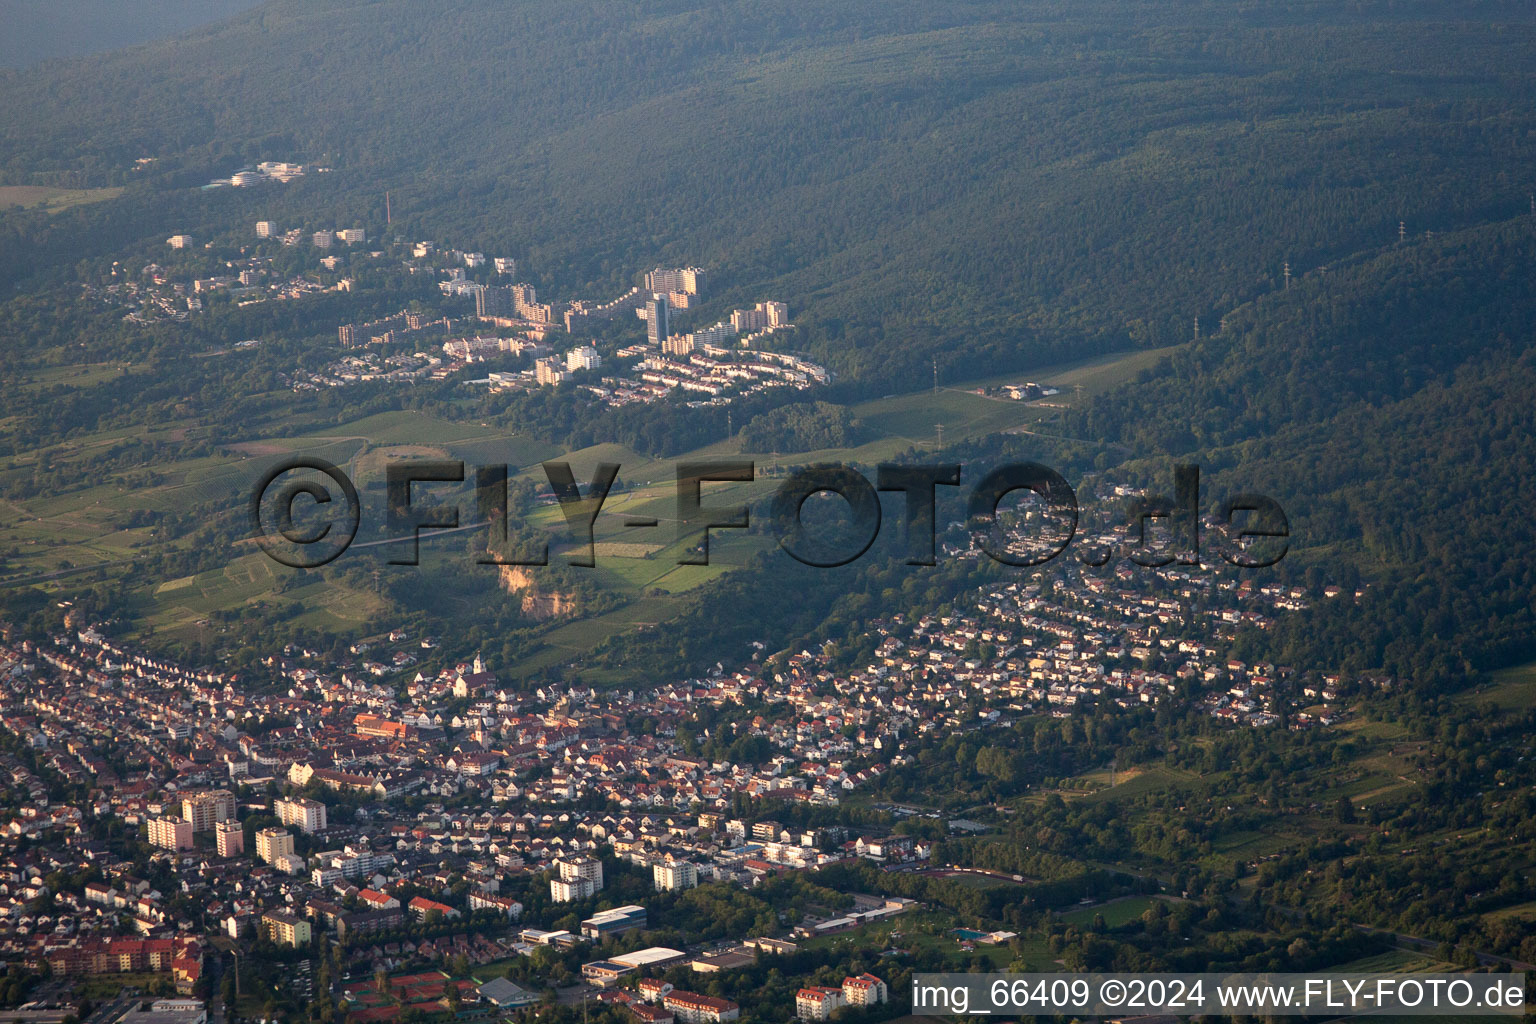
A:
x: 50, y: 199
x: 639, y: 565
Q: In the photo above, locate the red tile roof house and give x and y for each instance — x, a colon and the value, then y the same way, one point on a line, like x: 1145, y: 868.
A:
x: 421, y: 907
x: 692, y: 1008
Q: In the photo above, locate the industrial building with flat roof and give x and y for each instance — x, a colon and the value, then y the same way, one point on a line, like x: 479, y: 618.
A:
x: 656, y: 958
x: 614, y: 922
x: 601, y: 972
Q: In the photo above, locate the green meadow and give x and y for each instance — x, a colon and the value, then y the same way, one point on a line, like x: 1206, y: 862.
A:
x: 106, y: 525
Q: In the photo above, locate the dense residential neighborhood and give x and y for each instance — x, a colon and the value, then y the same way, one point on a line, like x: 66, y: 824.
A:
x: 406, y: 815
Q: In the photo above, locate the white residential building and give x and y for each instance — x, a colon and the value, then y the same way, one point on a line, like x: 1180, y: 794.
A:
x: 302, y: 813
x: 580, y: 877
x: 671, y: 876
x: 865, y: 990
x: 817, y: 1003
x: 584, y: 357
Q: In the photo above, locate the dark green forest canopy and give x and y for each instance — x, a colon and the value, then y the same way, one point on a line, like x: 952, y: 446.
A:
x: 1387, y: 405
x: 37, y: 32
x: 990, y: 183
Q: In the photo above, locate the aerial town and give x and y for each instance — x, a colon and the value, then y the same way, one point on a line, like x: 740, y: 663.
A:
x: 713, y: 364
x: 706, y: 513
x: 426, y: 827
x: 516, y: 342
x: 406, y: 833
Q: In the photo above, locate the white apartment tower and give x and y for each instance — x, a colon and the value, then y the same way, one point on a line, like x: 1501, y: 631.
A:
x: 230, y: 838
x: 579, y: 877
x: 584, y: 357
x: 689, y: 280
x: 672, y: 876
x: 302, y: 813
x: 272, y: 843
x: 206, y: 809
x: 170, y: 833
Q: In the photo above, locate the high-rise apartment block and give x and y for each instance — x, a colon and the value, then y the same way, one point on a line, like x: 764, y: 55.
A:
x: 671, y: 876
x: 272, y: 843
x: 677, y: 345
x: 688, y: 280
x: 760, y: 316
x: 170, y: 833
x: 230, y: 836
x: 302, y: 813
x: 548, y: 370
x: 580, y: 877
x: 744, y: 320
x: 778, y: 313
x: 657, y: 325
x: 583, y: 357
x: 207, y: 808
x: 493, y: 301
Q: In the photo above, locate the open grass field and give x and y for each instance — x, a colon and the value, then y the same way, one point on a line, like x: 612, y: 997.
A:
x: 51, y: 199
x: 932, y: 931
x: 1116, y: 912
x: 1099, y: 779
x: 974, y: 879
x: 182, y: 606
x: 1251, y: 845
x: 1513, y: 689
x: 100, y: 526
x: 1518, y: 912
x: 1148, y: 781
x: 73, y: 375
x: 912, y: 420
x: 104, y: 988
x: 1395, y: 961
